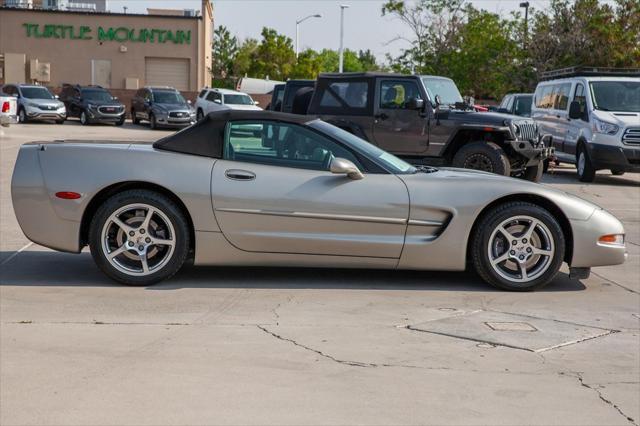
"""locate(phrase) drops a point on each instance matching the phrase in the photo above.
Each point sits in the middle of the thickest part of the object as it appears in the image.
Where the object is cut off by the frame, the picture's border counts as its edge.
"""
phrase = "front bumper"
(167, 121)
(534, 154)
(35, 113)
(587, 251)
(614, 157)
(99, 117)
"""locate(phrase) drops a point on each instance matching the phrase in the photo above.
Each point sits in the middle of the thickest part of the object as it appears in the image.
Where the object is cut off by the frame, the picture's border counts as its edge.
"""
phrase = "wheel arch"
(465, 136)
(538, 200)
(107, 192)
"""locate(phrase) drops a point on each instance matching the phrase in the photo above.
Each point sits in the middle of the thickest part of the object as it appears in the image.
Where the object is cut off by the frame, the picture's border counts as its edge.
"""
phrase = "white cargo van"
(593, 115)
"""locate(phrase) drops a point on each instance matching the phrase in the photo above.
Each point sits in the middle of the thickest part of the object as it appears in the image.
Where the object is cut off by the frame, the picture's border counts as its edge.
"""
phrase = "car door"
(543, 113)
(575, 125)
(272, 192)
(561, 114)
(399, 127)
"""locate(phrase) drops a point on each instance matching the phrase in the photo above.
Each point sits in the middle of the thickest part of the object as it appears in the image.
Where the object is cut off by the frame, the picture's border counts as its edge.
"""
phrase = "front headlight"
(600, 126)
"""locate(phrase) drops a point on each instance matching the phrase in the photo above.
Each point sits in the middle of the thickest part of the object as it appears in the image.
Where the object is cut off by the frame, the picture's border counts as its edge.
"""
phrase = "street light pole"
(525, 4)
(341, 61)
(298, 22)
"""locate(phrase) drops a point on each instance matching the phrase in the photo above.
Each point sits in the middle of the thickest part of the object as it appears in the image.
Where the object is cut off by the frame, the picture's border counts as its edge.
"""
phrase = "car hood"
(173, 107)
(622, 119)
(243, 107)
(104, 103)
(473, 117)
(470, 191)
(47, 102)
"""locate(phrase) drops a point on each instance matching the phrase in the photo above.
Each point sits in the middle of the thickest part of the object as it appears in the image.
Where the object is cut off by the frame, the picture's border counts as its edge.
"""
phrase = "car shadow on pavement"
(47, 268)
(569, 176)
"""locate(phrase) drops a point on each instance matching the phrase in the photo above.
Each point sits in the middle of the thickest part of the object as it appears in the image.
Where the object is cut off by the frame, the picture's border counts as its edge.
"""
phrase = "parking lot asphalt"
(292, 346)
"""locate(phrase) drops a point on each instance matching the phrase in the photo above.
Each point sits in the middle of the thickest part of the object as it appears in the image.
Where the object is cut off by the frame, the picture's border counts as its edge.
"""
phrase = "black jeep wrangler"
(424, 120)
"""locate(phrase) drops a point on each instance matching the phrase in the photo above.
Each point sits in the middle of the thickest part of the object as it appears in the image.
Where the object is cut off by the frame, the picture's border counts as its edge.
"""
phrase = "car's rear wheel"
(485, 156)
(199, 114)
(584, 167)
(533, 173)
(518, 246)
(152, 122)
(139, 237)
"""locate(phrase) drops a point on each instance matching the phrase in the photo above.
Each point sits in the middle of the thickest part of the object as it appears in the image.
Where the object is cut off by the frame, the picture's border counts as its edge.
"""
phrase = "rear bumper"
(5, 119)
(614, 157)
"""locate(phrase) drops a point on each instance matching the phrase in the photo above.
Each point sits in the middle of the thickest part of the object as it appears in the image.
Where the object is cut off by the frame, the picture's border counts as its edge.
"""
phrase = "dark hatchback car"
(92, 104)
(162, 107)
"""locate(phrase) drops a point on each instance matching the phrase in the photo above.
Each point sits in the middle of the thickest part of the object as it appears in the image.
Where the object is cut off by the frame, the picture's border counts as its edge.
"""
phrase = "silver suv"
(593, 116)
(36, 103)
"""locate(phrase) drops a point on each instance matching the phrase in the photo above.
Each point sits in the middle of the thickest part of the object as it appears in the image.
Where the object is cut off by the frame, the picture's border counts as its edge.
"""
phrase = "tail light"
(5, 106)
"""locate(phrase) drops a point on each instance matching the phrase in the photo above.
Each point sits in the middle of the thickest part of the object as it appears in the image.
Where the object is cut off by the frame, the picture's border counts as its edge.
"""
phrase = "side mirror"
(217, 101)
(189, 101)
(438, 100)
(416, 104)
(114, 98)
(56, 97)
(575, 111)
(342, 166)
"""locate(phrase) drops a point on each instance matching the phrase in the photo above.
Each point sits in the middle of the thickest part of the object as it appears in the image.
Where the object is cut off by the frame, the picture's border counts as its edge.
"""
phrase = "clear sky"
(365, 28)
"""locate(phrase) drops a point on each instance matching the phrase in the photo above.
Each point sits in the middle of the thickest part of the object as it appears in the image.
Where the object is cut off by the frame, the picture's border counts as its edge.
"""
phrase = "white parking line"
(8, 259)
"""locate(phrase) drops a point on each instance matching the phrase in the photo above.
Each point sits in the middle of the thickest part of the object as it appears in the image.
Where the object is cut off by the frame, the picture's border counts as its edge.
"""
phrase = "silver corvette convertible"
(264, 188)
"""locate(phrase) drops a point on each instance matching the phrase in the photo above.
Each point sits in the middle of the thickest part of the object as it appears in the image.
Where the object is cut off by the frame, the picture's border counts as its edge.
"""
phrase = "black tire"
(617, 172)
(22, 116)
(84, 120)
(158, 201)
(60, 121)
(199, 114)
(586, 172)
(485, 228)
(152, 122)
(533, 173)
(485, 156)
(120, 122)
(134, 118)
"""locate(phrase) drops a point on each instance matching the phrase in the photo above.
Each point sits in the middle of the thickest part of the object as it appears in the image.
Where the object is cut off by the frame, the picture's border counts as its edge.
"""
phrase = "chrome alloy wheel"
(582, 159)
(138, 239)
(521, 249)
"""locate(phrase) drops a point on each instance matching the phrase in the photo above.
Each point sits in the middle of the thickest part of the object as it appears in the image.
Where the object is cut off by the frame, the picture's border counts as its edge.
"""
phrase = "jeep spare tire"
(485, 156)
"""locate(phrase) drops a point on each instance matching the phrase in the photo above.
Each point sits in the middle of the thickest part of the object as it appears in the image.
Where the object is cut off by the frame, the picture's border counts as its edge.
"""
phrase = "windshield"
(36, 93)
(168, 97)
(96, 95)
(620, 96)
(389, 161)
(443, 87)
(238, 100)
(523, 106)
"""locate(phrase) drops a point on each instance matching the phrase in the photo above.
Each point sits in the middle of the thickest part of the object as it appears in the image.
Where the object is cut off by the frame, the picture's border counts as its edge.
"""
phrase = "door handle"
(236, 174)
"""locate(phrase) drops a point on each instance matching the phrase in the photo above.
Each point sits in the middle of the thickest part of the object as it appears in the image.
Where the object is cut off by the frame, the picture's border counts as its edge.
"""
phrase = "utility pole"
(341, 63)
(525, 4)
(298, 22)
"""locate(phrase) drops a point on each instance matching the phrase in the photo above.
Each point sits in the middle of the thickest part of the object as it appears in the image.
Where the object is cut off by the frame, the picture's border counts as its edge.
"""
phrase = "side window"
(147, 95)
(580, 97)
(202, 93)
(510, 103)
(396, 94)
(213, 96)
(561, 92)
(504, 102)
(347, 94)
(544, 99)
(281, 144)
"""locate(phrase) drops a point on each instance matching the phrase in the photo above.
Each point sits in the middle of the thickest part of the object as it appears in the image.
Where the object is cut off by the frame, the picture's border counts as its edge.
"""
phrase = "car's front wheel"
(84, 120)
(584, 166)
(22, 116)
(153, 124)
(485, 156)
(199, 114)
(518, 246)
(139, 237)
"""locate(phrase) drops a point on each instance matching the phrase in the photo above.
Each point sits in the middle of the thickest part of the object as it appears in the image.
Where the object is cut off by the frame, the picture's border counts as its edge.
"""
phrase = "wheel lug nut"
(528, 249)
(524, 241)
(521, 257)
(142, 231)
(130, 243)
(131, 233)
(512, 252)
(140, 248)
(514, 242)
(148, 240)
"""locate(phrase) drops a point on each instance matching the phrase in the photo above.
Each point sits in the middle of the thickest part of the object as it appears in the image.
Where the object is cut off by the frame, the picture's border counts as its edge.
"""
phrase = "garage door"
(167, 72)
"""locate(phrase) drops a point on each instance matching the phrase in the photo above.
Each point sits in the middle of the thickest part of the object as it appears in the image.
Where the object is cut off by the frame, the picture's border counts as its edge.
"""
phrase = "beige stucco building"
(114, 50)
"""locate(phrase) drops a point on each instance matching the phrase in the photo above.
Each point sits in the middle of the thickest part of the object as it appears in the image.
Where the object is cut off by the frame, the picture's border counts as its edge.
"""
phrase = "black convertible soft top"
(206, 137)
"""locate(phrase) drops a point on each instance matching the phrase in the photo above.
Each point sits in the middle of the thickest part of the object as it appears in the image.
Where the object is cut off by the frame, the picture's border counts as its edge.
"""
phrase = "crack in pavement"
(615, 283)
(341, 361)
(578, 376)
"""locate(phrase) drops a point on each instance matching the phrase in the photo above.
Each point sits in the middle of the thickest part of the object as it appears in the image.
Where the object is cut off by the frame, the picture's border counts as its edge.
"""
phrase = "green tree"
(274, 56)
(225, 48)
(244, 57)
